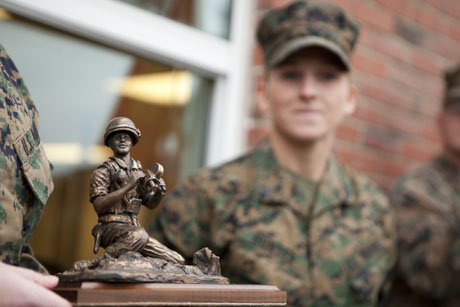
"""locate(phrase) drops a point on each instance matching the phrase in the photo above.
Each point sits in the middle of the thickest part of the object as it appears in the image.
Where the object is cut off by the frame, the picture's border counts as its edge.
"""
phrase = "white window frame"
(158, 38)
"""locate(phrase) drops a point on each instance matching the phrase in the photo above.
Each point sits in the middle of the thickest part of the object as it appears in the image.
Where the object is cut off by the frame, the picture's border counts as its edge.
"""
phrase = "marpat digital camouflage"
(25, 178)
(303, 24)
(427, 200)
(327, 244)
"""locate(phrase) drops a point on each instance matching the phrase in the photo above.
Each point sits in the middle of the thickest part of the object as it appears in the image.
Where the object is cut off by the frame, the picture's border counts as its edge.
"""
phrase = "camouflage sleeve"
(99, 183)
(379, 255)
(429, 248)
(28, 260)
(184, 219)
(390, 244)
(25, 175)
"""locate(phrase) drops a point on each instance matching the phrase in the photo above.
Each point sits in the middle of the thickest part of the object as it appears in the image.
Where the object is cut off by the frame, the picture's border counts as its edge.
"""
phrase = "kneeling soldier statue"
(118, 187)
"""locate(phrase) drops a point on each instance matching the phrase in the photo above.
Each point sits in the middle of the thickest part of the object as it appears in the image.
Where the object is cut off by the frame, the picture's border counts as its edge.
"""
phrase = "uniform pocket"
(34, 163)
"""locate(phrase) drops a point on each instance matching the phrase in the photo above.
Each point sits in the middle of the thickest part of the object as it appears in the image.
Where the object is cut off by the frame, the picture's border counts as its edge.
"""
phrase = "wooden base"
(160, 294)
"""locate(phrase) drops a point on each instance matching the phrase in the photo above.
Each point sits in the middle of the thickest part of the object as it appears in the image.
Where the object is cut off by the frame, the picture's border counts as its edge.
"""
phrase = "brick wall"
(402, 51)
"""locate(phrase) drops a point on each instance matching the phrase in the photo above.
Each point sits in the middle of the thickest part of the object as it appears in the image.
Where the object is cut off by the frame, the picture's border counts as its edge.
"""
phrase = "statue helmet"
(118, 124)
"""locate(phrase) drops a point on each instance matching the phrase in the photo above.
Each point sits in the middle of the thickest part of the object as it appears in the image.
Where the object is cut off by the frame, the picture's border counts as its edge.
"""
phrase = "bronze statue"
(118, 187)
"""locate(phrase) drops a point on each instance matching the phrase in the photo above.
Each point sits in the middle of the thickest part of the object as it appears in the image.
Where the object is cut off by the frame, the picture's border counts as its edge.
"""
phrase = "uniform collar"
(122, 164)
(336, 189)
(278, 186)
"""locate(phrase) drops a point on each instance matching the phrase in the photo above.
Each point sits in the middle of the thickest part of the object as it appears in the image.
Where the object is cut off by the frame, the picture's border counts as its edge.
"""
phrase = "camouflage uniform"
(428, 211)
(25, 178)
(328, 243)
(304, 24)
(428, 214)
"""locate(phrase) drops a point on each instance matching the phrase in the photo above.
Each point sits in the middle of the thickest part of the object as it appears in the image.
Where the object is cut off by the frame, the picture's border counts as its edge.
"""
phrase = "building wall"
(399, 60)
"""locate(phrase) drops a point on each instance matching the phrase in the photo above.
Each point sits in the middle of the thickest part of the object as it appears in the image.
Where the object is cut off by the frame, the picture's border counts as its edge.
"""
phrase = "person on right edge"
(427, 201)
(288, 213)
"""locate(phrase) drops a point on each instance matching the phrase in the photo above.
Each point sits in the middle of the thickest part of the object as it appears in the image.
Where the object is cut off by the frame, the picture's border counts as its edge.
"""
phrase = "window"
(78, 86)
(92, 60)
(211, 16)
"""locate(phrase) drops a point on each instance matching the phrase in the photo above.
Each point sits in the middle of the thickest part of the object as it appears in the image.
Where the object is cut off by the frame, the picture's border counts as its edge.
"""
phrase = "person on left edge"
(25, 185)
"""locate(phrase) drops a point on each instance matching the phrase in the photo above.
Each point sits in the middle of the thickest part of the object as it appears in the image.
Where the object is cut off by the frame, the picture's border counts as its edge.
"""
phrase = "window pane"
(211, 16)
(78, 86)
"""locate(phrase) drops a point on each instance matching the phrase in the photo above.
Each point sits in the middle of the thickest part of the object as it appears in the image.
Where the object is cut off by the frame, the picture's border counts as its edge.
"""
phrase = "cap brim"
(297, 44)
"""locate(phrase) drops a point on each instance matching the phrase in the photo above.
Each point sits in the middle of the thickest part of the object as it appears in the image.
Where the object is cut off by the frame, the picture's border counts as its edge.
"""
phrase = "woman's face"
(308, 95)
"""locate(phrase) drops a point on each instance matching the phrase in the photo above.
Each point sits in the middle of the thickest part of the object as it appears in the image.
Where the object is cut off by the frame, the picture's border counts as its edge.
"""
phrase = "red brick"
(394, 169)
(425, 62)
(424, 105)
(451, 7)
(431, 19)
(372, 16)
(380, 141)
(443, 46)
(435, 3)
(411, 79)
(386, 45)
(369, 64)
(404, 8)
(402, 51)
(343, 156)
(454, 9)
(381, 94)
(348, 132)
(369, 115)
(432, 134)
(454, 31)
(418, 152)
(395, 121)
(368, 162)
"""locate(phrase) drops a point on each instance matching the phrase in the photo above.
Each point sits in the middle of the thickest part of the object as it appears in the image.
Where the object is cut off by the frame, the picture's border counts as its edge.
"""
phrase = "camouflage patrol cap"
(284, 31)
(452, 91)
(118, 124)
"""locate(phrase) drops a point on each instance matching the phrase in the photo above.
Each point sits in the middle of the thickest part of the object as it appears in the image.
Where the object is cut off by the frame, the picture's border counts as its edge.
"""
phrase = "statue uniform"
(117, 238)
(428, 212)
(119, 230)
(328, 243)
(25, 174)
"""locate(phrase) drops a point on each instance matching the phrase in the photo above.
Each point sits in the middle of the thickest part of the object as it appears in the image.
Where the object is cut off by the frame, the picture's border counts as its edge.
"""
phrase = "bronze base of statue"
(132, 267)
(155, 294)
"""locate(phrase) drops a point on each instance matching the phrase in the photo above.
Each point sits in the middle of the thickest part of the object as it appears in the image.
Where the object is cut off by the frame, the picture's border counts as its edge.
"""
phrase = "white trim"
(151, 36)
(229, 114)
(132, 29)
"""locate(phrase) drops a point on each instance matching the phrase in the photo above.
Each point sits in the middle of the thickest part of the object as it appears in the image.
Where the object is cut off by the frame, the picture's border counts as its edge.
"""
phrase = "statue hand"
(136, 176)
(162, 186)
